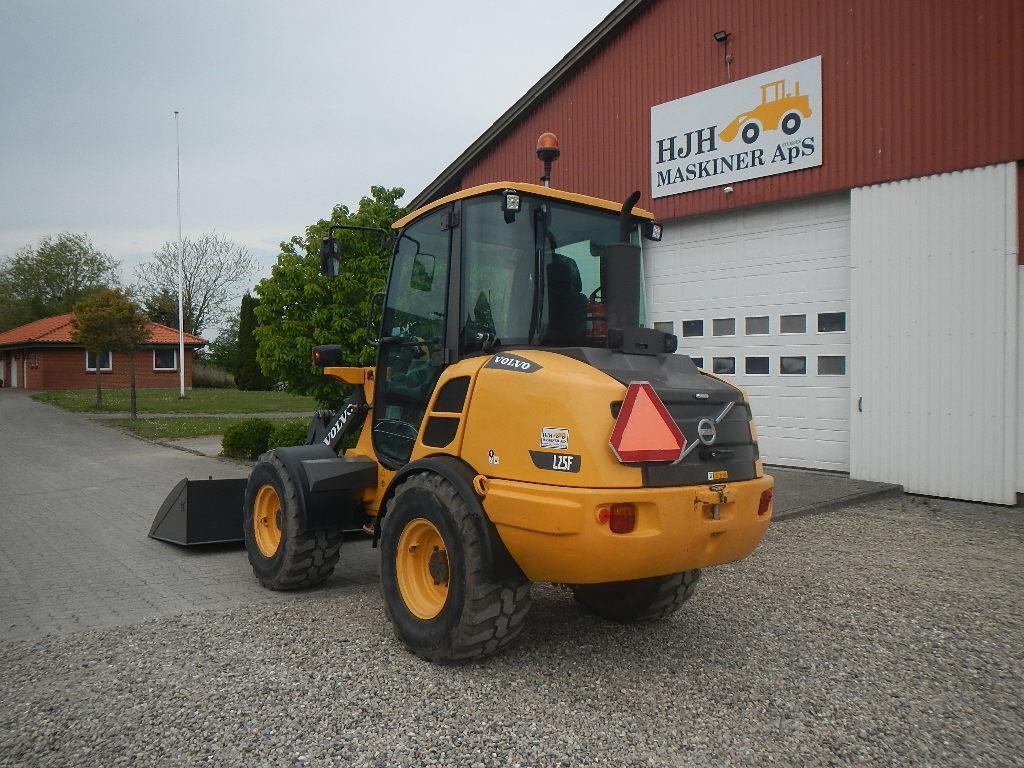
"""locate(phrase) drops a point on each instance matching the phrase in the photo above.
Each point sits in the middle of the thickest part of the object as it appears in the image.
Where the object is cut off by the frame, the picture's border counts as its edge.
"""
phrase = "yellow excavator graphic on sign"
(777, 109)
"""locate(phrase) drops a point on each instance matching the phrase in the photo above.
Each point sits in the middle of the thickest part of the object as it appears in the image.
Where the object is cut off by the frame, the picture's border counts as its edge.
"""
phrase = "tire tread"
(310, 556)
(494, 611)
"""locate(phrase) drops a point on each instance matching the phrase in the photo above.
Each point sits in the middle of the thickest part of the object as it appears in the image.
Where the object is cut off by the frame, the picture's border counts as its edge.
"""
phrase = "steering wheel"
(594, 294)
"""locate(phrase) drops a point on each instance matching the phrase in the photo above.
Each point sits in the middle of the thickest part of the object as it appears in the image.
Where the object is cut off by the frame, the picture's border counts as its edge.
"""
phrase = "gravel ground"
(886, 634)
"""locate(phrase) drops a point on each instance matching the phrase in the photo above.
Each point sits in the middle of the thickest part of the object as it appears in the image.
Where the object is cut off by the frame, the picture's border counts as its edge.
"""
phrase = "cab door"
(413, 333)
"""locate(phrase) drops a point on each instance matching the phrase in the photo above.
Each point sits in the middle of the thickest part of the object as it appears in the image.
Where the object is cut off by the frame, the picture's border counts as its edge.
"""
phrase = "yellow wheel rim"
(266, 520)
(421, 565)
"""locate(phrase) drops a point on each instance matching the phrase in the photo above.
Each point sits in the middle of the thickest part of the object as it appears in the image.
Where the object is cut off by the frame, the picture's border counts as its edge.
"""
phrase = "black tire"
(791, 123)
(750, 132)
(480, 615)
(303, 558)
(639, 600)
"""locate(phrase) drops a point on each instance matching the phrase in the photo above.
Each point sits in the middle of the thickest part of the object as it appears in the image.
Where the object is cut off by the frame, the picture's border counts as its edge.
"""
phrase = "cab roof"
(531, 189)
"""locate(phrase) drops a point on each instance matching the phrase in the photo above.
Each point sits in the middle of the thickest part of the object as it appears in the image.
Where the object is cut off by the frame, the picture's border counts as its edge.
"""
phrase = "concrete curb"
(831, 505)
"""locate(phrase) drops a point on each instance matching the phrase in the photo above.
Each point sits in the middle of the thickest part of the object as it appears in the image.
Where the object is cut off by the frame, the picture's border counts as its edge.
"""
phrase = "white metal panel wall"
(1020, 368)
(934, 384)
(791, 259)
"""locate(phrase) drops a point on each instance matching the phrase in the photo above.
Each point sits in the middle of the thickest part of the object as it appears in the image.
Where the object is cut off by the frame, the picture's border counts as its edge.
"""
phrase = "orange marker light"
(645, 430)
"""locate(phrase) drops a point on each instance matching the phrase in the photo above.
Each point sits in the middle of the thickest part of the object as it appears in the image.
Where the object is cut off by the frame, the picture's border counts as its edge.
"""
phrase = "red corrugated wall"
(910, 88)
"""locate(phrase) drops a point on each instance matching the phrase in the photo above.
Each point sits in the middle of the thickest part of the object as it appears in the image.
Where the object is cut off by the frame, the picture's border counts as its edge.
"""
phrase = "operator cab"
(499, 266)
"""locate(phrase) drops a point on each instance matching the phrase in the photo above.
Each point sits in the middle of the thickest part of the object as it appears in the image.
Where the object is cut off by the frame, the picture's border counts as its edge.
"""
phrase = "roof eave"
(619, 17)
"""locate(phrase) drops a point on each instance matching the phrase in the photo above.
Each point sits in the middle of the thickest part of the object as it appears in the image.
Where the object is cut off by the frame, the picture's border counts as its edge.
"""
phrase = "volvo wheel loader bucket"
(201, 512)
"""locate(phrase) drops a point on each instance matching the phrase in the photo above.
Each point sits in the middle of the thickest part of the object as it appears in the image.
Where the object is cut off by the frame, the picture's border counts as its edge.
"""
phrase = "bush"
(248, 439)
(288, 433)
(211, 377)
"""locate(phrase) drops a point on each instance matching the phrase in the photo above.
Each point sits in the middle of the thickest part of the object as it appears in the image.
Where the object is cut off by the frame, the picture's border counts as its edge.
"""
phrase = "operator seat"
(567, 306)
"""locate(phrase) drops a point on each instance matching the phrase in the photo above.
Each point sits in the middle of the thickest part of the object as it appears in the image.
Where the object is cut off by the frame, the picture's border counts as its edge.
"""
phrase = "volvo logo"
(706, 431)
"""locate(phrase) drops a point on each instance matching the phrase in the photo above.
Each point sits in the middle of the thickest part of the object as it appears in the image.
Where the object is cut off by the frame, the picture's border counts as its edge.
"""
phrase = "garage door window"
(698, 361)
(792, 366)
(666, 327)
(693, 327)
(724, 326)
(758, 326)
(793, 324)
(831, 322)
(756, 366)
(724, 364)
(831, 365)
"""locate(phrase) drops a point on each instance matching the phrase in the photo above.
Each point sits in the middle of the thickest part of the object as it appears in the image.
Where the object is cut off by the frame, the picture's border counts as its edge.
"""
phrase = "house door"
(14, 370)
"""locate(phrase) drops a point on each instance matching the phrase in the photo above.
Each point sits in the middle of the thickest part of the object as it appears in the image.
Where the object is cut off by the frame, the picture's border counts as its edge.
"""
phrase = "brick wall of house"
(64, 368)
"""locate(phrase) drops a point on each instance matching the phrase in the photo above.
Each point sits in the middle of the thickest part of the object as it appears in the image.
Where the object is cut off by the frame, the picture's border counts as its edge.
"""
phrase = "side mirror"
(330, 257)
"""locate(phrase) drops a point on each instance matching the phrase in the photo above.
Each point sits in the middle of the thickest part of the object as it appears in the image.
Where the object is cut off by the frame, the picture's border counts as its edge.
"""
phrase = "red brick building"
(41, 355)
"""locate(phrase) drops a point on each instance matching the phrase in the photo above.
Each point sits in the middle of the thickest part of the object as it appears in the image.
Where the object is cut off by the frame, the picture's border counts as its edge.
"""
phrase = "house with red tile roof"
(41, 355)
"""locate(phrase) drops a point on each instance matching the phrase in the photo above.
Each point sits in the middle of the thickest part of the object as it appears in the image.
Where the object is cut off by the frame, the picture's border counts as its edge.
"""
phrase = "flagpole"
(181, 273)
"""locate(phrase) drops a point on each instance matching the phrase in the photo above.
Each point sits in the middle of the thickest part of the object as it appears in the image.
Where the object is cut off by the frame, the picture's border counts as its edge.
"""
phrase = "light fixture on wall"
(722, 38)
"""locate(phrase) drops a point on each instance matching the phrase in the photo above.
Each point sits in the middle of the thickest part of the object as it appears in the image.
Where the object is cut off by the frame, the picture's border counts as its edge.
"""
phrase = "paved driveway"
(76, 503)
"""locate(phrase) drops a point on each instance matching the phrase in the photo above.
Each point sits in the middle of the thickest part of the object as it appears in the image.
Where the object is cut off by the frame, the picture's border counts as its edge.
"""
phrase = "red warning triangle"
(645, 430)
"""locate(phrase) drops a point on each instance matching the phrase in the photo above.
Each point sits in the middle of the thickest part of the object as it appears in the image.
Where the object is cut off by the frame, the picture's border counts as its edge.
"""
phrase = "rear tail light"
(621, 518)
(766, 502)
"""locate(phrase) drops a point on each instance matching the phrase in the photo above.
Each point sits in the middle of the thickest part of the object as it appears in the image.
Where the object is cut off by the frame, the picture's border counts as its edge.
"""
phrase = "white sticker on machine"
(554, 437)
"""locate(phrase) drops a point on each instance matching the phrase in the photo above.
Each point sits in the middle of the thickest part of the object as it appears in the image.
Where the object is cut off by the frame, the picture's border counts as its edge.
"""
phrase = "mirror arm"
(626, 224)
(385, 235)
(379, 230)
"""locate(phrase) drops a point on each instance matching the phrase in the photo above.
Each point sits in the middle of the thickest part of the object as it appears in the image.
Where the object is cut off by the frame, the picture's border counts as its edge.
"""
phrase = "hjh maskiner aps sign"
(759, 126)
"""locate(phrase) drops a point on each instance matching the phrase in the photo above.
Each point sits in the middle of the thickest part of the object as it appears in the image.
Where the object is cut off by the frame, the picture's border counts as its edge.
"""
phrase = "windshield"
(503, 302)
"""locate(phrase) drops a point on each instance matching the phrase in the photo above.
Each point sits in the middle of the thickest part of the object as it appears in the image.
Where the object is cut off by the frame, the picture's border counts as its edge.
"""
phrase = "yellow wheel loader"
(520, 424)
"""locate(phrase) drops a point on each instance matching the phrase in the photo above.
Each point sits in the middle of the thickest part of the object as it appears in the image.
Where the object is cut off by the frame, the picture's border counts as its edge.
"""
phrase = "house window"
(106, 361)
(165, 359)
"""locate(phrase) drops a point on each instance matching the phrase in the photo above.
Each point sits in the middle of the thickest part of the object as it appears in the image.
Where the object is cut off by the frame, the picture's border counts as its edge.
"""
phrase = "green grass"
(169, 429)
(166, 401)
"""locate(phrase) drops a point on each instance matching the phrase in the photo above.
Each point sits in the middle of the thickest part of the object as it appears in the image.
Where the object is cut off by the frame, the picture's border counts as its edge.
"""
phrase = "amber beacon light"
(547, 153)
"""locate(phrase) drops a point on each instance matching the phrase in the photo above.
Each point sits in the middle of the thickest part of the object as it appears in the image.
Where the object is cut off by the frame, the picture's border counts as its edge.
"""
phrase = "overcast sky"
(287, 108)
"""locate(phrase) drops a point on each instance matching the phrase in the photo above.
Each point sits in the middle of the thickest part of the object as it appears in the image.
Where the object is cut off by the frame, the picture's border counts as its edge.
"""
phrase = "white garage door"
(762, 296)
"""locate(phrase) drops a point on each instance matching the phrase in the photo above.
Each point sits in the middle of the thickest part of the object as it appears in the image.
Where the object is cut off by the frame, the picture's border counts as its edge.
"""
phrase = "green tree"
(223, 351)
(299, 308)
(249, 375)
(49, 278)
(162, 307)
(108, 320)
(214, 269)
